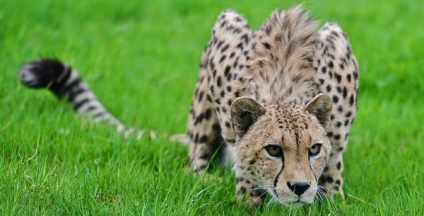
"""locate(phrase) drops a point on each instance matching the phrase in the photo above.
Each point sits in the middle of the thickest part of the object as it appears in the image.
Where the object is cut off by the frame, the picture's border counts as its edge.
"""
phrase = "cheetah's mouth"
(294, 203)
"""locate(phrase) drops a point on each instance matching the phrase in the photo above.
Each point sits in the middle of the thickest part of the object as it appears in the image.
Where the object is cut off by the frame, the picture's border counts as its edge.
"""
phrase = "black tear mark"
(278, 176)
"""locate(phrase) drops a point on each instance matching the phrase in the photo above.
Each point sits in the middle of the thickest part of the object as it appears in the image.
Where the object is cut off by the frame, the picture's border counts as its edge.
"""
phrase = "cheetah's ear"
(245, 112)
(320, 106)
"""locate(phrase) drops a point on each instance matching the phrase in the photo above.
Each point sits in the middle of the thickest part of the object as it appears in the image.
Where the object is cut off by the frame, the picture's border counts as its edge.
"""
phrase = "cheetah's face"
(281, 149)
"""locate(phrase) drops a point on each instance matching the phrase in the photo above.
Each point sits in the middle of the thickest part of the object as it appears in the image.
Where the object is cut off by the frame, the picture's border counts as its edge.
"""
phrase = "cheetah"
(278, 103)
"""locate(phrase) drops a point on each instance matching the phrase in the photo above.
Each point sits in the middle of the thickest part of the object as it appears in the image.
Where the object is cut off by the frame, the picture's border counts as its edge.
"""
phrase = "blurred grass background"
(141, 59)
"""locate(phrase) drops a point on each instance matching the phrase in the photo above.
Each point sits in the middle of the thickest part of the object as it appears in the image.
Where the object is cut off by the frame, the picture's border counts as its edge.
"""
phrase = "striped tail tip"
(42, 73)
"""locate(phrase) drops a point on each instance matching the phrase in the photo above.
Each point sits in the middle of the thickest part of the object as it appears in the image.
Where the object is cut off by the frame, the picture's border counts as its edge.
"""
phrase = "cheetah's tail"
(65, 82)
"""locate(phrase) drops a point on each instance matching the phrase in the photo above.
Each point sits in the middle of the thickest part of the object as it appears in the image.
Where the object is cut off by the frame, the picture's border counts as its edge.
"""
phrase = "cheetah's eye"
(314, 150)
(274, 150)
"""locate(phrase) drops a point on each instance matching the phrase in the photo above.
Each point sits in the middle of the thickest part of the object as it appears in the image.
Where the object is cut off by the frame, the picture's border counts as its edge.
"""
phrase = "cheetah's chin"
(295, 204)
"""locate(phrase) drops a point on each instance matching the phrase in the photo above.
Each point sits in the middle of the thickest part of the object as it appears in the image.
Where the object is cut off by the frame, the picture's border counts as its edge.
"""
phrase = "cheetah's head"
(282, 149)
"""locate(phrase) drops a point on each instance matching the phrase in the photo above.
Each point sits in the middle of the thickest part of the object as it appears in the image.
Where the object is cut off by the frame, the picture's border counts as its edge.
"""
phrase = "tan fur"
(287, 85)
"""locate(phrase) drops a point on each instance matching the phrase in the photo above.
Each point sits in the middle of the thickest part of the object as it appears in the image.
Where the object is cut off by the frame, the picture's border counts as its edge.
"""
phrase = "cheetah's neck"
(279, 69)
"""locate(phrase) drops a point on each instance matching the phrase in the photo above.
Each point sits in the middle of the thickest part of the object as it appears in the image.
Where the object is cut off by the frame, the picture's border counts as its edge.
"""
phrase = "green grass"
(141, 59)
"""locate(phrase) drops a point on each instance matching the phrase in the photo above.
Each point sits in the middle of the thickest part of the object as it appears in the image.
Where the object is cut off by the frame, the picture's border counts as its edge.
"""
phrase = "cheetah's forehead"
(288, 115)
(293, 126)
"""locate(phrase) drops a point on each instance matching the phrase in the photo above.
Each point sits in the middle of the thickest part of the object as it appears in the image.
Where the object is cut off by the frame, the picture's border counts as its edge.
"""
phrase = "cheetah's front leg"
(203, 125)
(332, 177)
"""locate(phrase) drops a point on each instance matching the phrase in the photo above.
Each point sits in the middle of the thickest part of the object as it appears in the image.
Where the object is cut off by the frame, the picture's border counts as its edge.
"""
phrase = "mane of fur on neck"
(281, 57)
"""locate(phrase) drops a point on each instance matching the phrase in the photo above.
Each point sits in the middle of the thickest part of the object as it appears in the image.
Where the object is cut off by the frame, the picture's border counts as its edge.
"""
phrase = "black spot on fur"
(337, 137)
(346, 123)
(227, 71)
(335, 99)
(200, 98)
(219, 81)
(338, 77)
(229, 102)
(216, 127)
(266, 45)
(208, 114)
(203, 139)
(344, 92)
(348, 77)
(351, 100)
(229, 88)
(224, 48)
(232, 55)
(243, 190)
(222, 58)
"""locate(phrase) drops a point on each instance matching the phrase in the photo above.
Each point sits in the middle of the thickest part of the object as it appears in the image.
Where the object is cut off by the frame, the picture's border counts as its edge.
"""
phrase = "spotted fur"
(286, 86)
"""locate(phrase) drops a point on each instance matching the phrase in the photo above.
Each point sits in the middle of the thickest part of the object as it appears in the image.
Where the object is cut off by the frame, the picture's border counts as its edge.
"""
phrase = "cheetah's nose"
(298, 187)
